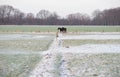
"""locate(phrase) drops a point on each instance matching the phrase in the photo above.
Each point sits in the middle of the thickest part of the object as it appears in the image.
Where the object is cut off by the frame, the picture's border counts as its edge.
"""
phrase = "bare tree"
(112, 16)
(53, 19)
(74, 18)
(107, 17)
(42, 17)
(5, 13)
(30, 18)
(18, 16)
(43, 14)
(97, 17)
(78, 19)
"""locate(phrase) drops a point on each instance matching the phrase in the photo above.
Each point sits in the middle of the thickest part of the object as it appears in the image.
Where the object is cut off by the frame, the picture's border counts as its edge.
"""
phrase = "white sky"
(62, 7)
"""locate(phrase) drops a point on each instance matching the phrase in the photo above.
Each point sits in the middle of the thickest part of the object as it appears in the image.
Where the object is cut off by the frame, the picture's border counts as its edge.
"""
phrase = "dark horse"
(64, 30)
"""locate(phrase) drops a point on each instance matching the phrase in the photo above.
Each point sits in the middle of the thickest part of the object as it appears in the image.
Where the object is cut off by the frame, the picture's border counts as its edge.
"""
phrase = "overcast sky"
(62, 7)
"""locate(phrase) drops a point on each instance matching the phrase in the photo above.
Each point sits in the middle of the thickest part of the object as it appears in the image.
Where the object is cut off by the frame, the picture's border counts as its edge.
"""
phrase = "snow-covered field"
(89, 60)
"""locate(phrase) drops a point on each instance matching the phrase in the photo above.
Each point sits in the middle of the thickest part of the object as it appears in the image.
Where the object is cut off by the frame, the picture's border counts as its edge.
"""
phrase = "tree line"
(12, 16)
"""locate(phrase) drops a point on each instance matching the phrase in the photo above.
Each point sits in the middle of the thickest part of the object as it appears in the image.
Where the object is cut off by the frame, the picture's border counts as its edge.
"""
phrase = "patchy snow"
(94, 37)
(20, 36)
(92, 48)
(45, 68)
